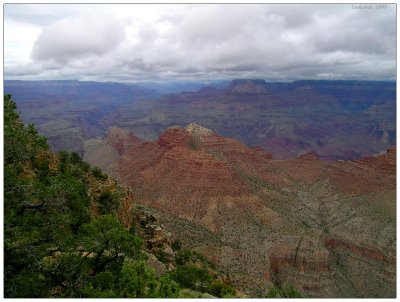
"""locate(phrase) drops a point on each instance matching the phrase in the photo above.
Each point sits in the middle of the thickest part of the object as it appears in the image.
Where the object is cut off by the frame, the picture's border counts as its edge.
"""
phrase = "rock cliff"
(327, 227)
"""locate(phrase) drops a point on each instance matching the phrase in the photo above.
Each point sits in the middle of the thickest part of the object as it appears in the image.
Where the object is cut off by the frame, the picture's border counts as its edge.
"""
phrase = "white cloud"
(75, 37)
(145, 42)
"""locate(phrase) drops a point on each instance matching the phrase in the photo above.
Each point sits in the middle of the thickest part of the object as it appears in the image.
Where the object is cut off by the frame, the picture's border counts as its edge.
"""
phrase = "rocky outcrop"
(301, 264)
(370, 271)
(185, 160)
(313, 266)
(199, 172)
(122, 199)
(197, 131)
(358, 250)
(104, 153)
(122, 139)
(306, 256)
(159, 267)
(157, 240)
(172, 137)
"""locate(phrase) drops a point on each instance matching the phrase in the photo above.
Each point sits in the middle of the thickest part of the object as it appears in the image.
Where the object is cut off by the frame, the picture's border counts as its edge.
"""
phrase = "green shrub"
(137, 280)
(188, 293)
(96, 172)
(85, 166)
(184, 256)
(107, 202)
(176, 245)
(284, 291)
(220, 289)
(192, 277)
(168, 288)
(104, 280)
(63, 164)
(76, 159)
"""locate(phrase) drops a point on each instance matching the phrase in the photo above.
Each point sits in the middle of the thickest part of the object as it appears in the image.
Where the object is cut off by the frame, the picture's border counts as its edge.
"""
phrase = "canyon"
(327, 227)
(274, 182)
(333, 119)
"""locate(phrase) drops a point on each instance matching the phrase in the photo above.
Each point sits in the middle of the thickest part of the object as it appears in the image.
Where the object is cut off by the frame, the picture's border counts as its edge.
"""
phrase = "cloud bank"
(209, 42)
(73, 38)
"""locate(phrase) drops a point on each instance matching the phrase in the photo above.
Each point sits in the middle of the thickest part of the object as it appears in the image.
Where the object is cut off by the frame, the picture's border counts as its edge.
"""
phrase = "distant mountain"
(334, 119)
(173, 86)
(327, 227)
(69, 112)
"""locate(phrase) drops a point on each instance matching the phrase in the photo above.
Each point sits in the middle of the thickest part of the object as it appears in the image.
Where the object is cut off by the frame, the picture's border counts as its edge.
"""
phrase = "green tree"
(76, 159)
(192, 277)
(28, 235)
(107, 202)
(168, 288)
(63, 164)
(109, 241)
(98, 174)
(137, 280)
(101, 286)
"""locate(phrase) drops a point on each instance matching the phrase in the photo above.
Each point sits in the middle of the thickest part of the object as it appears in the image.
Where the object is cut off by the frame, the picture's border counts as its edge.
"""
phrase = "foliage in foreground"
(53, 246)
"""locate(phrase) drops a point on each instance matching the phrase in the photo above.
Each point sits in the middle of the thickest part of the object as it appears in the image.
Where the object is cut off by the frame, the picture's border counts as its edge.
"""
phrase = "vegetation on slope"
(284, 291)
(61, 240)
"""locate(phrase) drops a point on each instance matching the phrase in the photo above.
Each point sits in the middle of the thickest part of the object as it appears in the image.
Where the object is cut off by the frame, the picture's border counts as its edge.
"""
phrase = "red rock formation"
(368, 174)
(306, 256)
(122, 139)
(187, 157)
(233, 150)
(361, 250)
(172, 137)
(242, 195)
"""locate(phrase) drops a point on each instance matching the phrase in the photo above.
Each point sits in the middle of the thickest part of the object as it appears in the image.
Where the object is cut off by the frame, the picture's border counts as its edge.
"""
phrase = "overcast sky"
(152, 42)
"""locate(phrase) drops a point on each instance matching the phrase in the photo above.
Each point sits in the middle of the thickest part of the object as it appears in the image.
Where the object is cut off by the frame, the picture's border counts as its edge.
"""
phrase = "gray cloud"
(78, 36)
(206, 42)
